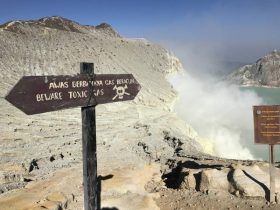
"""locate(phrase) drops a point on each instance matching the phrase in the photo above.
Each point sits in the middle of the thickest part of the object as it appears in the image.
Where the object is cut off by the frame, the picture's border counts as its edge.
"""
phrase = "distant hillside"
(265, 72)
(55, 22)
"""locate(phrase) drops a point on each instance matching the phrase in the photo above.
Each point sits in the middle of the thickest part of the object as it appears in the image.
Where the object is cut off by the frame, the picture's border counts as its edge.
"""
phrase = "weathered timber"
(89, 149)
(271, 173)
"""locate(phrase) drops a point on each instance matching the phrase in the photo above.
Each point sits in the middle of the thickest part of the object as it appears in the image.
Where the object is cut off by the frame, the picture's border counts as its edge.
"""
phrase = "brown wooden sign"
(38, 94)
(267, 124)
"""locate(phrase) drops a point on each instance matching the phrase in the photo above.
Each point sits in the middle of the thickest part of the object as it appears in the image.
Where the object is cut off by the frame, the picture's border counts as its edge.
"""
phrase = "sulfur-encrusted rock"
(188, 179)
(213, 179)
(247, 186)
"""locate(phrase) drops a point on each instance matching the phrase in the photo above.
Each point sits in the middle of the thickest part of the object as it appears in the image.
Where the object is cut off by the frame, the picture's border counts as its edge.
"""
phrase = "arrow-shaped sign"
(38, 94)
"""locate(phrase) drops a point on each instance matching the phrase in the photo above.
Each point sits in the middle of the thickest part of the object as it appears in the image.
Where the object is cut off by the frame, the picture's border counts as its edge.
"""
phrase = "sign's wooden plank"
(267, 124)
(38, 94)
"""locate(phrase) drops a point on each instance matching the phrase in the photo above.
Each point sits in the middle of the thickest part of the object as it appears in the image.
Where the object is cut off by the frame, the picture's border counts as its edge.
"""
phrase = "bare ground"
(171, 199)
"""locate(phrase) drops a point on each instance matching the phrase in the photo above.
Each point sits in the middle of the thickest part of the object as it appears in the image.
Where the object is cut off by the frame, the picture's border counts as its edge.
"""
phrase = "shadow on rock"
(175, 178)
(265, 188)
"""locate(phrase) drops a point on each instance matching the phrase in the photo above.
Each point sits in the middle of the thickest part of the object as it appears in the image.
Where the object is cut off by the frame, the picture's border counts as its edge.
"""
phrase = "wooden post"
(89, 149)
(272, 174)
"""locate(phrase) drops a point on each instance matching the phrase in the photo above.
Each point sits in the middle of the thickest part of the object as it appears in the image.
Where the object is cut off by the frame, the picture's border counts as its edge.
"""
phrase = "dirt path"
(192, 200)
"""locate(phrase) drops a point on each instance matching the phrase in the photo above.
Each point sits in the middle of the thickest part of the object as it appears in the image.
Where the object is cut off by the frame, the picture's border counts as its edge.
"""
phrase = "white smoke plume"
(220, 113)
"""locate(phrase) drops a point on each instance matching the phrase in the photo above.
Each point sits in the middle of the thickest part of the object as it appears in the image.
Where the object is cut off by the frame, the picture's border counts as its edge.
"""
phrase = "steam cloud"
(220, 113)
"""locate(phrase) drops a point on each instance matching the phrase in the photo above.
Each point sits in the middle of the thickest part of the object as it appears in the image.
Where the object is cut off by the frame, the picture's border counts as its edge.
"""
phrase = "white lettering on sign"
(97, 83)
(109, 82)
(83, 83)
(125, 81)
(119, 85)
(54, 85)
(77, 84)
(49, 96)
(98, 92)
(84, 94)
(77, 94)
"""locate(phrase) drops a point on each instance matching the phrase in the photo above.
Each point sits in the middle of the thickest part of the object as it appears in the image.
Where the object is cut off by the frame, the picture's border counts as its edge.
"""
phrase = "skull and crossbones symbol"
(120, 92)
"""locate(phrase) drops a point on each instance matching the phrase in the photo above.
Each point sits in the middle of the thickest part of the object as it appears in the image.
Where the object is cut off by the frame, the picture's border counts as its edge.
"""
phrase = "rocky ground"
(191, 199)
(211, 183)
(193, 182)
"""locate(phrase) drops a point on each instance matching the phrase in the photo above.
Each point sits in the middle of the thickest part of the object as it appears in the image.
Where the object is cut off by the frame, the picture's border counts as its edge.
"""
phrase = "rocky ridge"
(55, 22)
(265, 72)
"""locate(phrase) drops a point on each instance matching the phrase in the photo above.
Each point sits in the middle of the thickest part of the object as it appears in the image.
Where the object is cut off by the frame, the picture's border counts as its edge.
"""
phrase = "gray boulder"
(213, 180)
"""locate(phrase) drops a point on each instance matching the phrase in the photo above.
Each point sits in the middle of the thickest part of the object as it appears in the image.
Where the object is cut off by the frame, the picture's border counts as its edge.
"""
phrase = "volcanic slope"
(136, 137)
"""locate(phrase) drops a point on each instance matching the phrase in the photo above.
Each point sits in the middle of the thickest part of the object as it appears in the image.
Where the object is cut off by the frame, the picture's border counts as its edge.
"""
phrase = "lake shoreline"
(259, 86)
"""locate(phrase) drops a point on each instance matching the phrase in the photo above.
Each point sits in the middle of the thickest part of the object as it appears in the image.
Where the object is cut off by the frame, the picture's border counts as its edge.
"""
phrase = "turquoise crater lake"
(271, 96)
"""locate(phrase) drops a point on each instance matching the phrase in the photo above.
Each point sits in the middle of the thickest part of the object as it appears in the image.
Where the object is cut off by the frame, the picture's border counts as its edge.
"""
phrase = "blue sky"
(231, 30)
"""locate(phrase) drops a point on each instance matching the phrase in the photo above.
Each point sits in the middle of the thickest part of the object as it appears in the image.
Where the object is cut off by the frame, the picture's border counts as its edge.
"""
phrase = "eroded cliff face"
(130, 135)
(265, 72)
